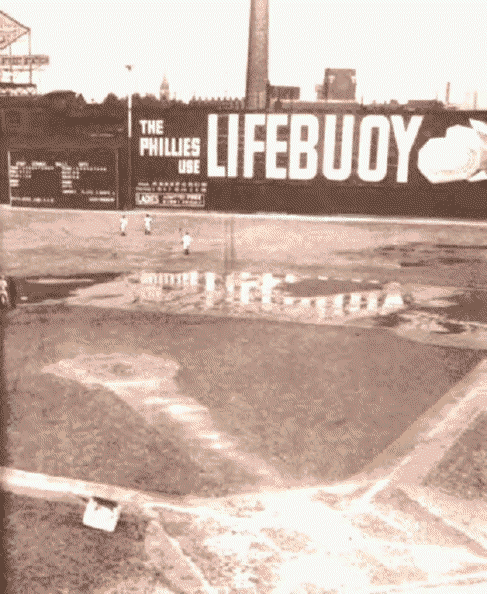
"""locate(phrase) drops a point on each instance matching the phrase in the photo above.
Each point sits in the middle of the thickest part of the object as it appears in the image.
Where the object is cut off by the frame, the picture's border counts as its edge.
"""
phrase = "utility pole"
(129, 138)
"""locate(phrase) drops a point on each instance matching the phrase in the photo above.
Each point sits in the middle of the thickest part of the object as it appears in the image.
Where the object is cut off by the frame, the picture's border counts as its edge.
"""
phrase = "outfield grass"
(47, 242)
(318, 403)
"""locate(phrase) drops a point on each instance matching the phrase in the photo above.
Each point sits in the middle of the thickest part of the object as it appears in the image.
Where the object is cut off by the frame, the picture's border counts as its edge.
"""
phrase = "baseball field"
(315, 403)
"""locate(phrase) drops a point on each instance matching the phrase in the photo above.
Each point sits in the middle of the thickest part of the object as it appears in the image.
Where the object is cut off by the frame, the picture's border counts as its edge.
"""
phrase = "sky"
(400, 50)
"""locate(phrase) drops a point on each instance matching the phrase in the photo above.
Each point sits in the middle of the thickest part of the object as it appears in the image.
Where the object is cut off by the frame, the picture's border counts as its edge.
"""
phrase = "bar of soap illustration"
(460, 156)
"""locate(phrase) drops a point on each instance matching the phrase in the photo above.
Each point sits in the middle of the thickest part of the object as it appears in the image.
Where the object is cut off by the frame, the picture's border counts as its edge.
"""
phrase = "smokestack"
(475, 99)
(447, 96)
(258, 56)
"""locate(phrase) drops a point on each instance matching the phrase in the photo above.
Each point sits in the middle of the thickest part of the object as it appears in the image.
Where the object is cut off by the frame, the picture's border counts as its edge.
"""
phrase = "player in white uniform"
(4, 297)
(147, 223)
(8, 292)
(123, 225)
(186, 243)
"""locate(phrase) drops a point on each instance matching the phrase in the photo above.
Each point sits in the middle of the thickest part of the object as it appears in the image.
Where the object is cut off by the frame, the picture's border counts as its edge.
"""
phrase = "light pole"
(129, 138)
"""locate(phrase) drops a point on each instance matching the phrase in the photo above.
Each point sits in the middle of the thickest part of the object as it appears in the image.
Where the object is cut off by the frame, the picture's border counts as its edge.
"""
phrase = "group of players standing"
(185, 240)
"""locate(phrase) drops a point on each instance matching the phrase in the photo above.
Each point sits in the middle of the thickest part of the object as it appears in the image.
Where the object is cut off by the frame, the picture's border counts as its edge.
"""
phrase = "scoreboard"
(63, 178)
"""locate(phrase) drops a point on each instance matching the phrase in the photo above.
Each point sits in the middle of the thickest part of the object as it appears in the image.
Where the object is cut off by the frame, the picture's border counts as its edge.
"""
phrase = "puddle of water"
(110, 296)
(392, 320)
(461, 247)
(39, 289)
(452, 328)
(411, 264)
(318, 288)
(56, 281)
(451, 261)
(467, 307)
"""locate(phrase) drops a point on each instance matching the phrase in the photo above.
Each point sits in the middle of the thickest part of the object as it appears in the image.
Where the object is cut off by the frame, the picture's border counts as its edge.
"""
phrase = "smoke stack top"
(258, 56)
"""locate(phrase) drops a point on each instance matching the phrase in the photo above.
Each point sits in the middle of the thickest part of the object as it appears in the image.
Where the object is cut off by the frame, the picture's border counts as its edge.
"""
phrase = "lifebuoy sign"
(177, 154)
(309, 146)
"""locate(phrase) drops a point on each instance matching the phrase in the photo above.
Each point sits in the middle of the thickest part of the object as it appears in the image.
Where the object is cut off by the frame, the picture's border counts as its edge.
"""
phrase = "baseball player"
(147, 224)
(123, 225)
(186, 243)
(8, 292)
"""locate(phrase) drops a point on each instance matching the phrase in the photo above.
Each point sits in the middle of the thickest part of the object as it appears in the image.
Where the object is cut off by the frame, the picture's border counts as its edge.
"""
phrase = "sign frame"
(18, 30)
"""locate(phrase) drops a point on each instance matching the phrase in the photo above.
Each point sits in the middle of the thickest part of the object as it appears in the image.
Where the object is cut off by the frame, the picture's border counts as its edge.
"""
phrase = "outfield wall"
(361, 161)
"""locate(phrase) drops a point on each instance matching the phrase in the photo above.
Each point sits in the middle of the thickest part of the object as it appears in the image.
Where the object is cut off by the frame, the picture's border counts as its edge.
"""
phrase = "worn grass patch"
(318, 403)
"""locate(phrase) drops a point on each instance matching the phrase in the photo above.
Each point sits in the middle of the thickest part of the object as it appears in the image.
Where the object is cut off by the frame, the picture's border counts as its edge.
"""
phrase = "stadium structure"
(268, 152)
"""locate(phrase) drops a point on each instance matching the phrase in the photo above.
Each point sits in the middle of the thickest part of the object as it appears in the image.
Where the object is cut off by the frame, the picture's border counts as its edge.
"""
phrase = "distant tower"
(258, 56)
(164, 90)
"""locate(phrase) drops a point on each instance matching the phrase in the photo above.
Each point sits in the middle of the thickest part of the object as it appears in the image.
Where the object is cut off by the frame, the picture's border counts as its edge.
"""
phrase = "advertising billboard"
(23, 62)
(63, 178)
(221, 161)
(169, 159)
(10, 30)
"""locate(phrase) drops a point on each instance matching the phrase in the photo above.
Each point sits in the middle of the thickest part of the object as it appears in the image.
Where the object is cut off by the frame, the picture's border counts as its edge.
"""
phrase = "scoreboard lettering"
(66, 179)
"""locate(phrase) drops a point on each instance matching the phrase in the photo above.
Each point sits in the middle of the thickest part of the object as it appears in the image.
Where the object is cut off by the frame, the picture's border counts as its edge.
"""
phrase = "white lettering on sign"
(191, 166)
(195, 146)
(214, 170)
(405, 139)
(152, 127)
(252, 146)
(161, 146)
(274, 146)
(157, 145)
(232, 145)
(329, 148)
(365, 172)
(369, 137)
(298, 147)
